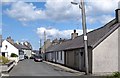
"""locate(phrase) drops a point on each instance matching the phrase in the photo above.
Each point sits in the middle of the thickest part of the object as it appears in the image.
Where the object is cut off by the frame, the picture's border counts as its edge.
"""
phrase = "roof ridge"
(106, 35)
(112, 22)
(94, 36)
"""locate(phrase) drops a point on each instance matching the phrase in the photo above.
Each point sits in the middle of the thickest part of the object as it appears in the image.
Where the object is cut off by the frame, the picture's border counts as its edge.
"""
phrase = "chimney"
(17, 42)
(22, 43)
(25, 43)
(10, 39)
(55, 41)
(118, 12)
(74, 35)
(60, 40)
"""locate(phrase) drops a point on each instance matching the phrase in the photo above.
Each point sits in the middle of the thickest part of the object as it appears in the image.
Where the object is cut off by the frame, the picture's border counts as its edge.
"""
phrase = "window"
(57, 55)
(81, 53)
(21, 53)
(6, 47)
(3, 54)
(61, 55)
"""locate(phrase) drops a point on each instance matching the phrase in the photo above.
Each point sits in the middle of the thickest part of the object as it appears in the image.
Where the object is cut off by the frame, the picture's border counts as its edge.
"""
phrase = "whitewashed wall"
(59, 60)
(49, 56)
(105, 55)
(28, 53)
(54, 56)
(10, 48)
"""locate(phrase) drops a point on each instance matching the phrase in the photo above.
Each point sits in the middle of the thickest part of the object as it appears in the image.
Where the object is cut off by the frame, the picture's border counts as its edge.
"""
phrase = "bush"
(4, 60)
(115, 75)
(13, 55)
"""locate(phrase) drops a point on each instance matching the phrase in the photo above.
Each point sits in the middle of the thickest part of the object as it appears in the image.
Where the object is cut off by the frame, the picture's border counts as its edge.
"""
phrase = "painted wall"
(54, 56)
(10, 48)
(21, 55)
(70, 57)
(119, 49)
(49, 56)
(60, 58)
(105, 55)
(28, 53)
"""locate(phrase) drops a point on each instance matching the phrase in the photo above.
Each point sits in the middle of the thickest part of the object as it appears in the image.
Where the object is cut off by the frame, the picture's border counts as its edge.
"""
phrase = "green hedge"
(13, 55)
(115, 75)
(4, 60)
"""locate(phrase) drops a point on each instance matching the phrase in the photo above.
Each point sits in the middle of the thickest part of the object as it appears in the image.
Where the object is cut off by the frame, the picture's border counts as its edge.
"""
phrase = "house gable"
(119, 49)
(105, 55)
(8, 47)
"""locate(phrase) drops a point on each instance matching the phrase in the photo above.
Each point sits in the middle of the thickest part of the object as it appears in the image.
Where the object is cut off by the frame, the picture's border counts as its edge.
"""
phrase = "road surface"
(30, 68)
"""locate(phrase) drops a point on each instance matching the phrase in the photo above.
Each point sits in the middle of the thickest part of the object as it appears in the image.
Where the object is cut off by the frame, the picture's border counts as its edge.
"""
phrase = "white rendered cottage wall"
(10, 48)
(28, 53)
(119, 49)
(49, 56)
(105, 55)
(60, 58)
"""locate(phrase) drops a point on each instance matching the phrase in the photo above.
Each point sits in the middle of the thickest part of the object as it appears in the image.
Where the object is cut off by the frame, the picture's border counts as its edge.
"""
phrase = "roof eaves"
(12, 44)
(104, 37)
(112, 22)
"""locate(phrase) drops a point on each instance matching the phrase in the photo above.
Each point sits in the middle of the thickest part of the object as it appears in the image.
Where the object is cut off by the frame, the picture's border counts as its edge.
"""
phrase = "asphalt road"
(30, 68)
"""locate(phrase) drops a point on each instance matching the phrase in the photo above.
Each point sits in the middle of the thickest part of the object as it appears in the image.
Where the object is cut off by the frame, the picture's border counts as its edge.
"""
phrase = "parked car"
(38, 59)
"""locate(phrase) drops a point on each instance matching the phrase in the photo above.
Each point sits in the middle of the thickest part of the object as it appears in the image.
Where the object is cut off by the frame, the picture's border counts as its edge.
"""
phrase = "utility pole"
(44, 41)
(82, 7)
(44, 45)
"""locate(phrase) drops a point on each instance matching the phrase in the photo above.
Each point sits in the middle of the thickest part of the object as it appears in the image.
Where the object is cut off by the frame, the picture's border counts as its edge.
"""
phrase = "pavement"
(78, 73)
(64, 68)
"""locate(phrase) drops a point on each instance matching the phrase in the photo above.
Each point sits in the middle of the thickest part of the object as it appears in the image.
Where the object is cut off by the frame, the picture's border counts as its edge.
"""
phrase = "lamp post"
(82, 7)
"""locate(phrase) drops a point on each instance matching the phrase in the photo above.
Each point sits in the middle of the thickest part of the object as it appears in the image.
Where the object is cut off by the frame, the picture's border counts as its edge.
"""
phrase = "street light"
(82, 7)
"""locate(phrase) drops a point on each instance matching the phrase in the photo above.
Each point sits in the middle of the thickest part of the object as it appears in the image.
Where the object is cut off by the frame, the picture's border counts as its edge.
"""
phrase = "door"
(81, 61)
(3, 54)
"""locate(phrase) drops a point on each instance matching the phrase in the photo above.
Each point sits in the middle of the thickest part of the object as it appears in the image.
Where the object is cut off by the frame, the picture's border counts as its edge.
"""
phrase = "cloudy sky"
(58, 18)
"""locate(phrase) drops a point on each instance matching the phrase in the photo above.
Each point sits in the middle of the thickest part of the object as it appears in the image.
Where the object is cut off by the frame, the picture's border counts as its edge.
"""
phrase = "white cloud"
(103, 6)
(103, 19)
(24, 39)
(25, 12)
(55, 10)
(62, 10)
(106, 18)
(23, 0)
(53, 33)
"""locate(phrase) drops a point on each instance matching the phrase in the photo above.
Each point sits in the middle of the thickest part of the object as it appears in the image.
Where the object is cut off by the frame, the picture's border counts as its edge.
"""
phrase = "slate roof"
(94, 38)
(18, 46)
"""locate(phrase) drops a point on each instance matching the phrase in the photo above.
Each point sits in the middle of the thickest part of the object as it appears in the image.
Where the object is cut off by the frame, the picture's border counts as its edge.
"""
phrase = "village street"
(30, 68)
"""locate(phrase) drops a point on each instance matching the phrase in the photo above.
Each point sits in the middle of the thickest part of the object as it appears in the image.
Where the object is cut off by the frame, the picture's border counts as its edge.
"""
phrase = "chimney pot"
(74, 35)
(74, 31)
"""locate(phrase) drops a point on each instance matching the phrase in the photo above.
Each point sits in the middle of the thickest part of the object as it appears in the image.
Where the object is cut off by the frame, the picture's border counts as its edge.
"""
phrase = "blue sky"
(28, 20)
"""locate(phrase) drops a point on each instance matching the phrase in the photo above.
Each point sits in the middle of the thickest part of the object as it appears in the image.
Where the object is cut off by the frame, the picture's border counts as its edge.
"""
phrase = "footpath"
(64, 68)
